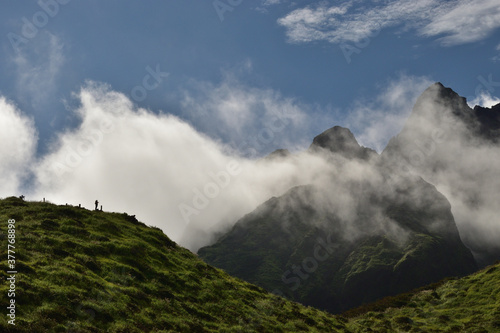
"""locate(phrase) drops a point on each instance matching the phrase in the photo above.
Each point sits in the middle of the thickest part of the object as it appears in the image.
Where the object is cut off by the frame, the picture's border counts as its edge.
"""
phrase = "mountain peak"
(340, 140)
(336, 139)
(481, 121)
(277, 154)
(437, 92)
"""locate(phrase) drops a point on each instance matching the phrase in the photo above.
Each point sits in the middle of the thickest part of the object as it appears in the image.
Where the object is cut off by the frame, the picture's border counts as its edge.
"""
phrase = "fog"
(154, 166)
(440, 143)
(161, 169)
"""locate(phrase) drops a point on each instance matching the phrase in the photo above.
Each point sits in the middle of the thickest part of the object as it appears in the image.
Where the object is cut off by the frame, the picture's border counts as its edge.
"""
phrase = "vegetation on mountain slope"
(91, 271)
(88, 271)
(468, 304)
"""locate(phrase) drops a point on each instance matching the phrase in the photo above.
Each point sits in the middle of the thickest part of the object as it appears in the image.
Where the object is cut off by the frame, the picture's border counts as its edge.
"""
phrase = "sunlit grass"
(469, 304)
(86, 271)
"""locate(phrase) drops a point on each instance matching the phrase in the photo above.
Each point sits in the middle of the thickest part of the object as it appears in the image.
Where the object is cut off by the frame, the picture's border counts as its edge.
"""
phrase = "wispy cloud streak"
(452, 22)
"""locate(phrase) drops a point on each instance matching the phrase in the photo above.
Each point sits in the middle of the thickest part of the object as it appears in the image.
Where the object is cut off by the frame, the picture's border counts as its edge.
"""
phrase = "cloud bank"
(155, 166)
(160, 168)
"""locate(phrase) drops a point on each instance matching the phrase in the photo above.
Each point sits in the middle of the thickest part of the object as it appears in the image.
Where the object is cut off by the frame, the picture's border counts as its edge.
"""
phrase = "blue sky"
(326, 56)
(140, 103)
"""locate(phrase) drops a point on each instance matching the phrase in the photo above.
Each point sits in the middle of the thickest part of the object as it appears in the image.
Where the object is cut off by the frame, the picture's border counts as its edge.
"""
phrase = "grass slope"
(469, 304)
(86, 271)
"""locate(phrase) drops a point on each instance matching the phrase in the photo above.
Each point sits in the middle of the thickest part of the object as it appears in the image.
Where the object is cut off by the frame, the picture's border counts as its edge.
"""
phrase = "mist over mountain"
(163, 168)
(334, 225)
(388, 226)
(250, 166)
(341, 141)
(457, 149)
(356, 234)
(296, 245)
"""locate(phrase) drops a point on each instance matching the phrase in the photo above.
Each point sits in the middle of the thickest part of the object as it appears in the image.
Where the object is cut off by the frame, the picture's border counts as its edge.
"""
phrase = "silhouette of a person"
(96, 204)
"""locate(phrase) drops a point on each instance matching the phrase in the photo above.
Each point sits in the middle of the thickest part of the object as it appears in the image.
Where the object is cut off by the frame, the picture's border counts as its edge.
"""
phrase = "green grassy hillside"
(469, 304)
(86, 271)
(89, 271)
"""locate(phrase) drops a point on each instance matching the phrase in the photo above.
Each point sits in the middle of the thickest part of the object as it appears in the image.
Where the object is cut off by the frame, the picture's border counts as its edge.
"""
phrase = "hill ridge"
(93, 271)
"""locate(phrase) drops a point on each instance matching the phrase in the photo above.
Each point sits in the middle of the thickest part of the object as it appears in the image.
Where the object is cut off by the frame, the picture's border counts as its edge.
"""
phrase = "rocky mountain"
(349, 239)
(341, 141)
(456, 148)
(489, 120)
(290, 246)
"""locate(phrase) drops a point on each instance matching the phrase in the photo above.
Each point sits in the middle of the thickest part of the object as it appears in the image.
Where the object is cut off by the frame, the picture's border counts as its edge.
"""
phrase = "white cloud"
(18, 139)
(468, 21)
(251, 119)
(147, 164)
(312, 24)
(460, 22)
(161, 169)
(484, 99)
(271, 2)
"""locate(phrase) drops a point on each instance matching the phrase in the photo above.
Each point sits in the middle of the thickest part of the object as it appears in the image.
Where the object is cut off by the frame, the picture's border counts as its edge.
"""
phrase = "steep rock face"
(457, 149)
(489, 119)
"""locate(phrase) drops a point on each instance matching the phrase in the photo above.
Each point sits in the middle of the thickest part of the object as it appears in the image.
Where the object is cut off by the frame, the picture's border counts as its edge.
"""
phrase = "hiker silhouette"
(96, 204)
